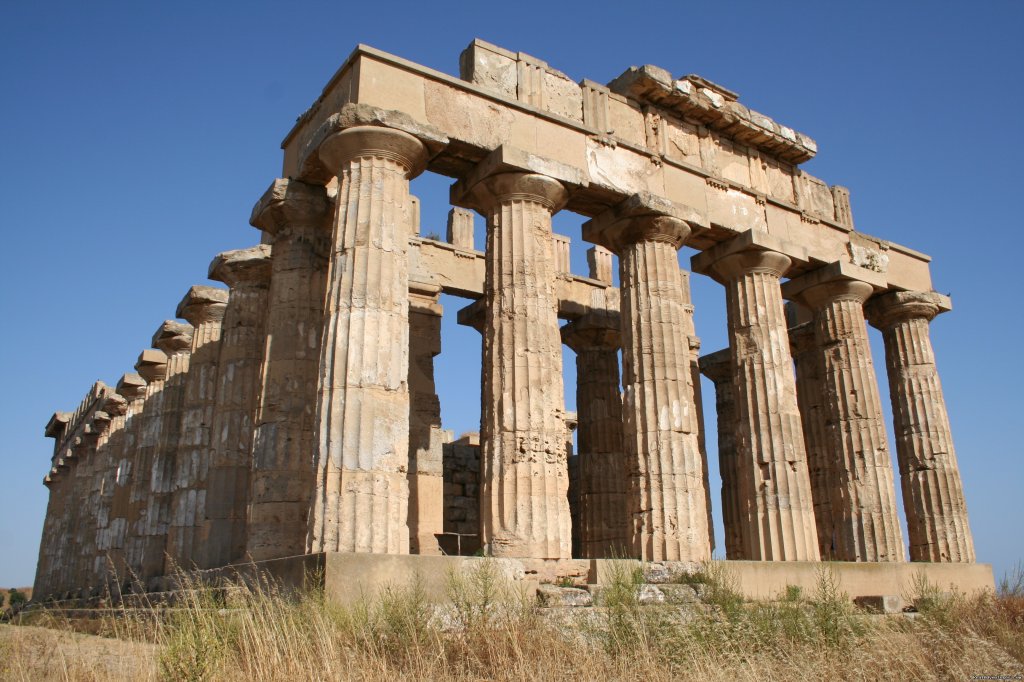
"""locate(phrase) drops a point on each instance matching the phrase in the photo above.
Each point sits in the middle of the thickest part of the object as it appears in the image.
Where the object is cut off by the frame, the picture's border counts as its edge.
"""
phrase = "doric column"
(524, 470)
(152, 367)
(243, 332)
(773, 486)
(82, 522)
(807, 360)
(203, 307)
(690, 329)
(666, 494)
(717, 366)
(160, 440)
(362, 491)
(863, 497)
(426, 441)
(56, 428)
(604, 520)
(132, 387)
(297, 215)
(108, 453)
(933, 496)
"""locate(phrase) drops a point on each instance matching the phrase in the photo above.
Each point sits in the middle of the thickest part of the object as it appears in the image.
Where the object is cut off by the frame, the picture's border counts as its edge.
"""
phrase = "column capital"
(173, 337)
(291, 202)
(888, 309)
(836, 281)
(242, 267)
(203, 304)
(597, 330)
(717, 366)
(640, 218)
(509, 173)
(151, 365)
(373, 142)
(132, 386)
(750, 251)
(115, 405)
(473, 315)
(323, 155)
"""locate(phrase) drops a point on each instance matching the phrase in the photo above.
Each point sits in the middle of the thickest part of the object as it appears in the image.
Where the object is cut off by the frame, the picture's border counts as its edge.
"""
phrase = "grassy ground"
(491, 632)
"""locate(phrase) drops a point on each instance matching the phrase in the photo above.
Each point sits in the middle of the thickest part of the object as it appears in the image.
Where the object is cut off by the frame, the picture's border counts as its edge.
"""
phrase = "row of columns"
(288, 396)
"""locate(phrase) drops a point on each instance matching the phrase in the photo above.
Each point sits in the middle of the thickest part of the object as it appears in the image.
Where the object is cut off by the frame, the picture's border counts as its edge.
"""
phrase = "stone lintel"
(699, 99)
(886, 308)
(716, 366)
(751, 240)
(242, 266)
(507, 159)
(835, 271)
(288, 202)
(617, 226)
(57, 424)
(131, 385)
(315, 169)
(202, 304)
(173, 336)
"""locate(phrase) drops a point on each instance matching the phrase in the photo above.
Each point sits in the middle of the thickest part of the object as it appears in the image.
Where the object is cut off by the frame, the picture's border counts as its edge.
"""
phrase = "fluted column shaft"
(718, 367)
(203, 307)
(127, 470)
(666, 488)
(774, 488)
(247, 272)
(283, 475)
(362, 490)
(604, 518)
(933, 496)
(808, 363)
(426, 475)
(524, 480)
(863, 497)
(152, 366)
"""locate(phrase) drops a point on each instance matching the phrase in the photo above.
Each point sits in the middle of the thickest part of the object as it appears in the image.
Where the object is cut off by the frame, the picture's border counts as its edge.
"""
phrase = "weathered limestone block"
(599, 264)
(243, 333)
(666, 494)
(604, 517)
(362, 490)
(933, 496)
(203, 307)
(808, 361)
(460, 228)
(561, 245)
(524, 475)
(297, 216)
(426, 438)
(462, 489)
(717, 366)
(152, 367)
(863, 497)
(773, 485)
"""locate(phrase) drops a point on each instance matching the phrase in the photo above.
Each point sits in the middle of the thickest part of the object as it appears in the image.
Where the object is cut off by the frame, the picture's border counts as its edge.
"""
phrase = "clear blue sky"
(138, 135)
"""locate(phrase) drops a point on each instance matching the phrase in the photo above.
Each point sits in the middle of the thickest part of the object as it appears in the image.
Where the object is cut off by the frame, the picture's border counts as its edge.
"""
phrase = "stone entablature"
(297, 412)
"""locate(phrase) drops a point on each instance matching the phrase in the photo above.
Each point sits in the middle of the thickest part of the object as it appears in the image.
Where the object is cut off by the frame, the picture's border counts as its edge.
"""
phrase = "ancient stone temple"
(293, 411)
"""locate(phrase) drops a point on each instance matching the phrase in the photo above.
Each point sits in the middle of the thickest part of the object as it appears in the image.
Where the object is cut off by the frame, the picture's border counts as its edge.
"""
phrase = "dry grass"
(490, 632)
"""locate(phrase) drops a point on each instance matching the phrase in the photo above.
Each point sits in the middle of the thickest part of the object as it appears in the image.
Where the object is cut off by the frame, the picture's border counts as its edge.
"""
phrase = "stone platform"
(348, 576)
